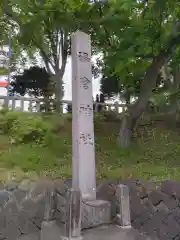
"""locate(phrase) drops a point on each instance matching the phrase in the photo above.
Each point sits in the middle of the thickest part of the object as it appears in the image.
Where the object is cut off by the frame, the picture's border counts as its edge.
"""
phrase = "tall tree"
(45, 27)
(140, 40)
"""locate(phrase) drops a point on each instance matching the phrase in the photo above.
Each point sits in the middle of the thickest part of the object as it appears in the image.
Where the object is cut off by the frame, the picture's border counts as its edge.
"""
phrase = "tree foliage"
(136, 39)
(34, 81)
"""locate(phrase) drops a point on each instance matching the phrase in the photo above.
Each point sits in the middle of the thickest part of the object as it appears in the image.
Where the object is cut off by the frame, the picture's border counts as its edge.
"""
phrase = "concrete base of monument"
(95, 213)
(112, 232)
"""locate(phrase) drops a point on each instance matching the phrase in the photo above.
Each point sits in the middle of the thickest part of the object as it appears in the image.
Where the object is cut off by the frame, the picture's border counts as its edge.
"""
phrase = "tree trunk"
(58, 91)
(135, 111)
(174, 99)
(46, 102)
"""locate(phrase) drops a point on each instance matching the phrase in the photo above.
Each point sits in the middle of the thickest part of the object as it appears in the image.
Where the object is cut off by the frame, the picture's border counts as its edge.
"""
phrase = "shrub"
(99, 117)
(29, 128)
(24, 127)
(7, 120)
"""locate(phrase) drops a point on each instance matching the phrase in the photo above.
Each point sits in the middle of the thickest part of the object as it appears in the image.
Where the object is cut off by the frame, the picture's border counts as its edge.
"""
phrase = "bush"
(106, 116)
(7, 119)
(24, 127)
(99, 117)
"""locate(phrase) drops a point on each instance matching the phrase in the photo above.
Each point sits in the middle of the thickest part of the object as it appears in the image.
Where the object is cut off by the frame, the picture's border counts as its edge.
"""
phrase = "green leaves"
(134, 35)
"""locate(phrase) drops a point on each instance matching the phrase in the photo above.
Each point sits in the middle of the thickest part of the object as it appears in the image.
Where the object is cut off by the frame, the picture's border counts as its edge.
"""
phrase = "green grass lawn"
(154, 155)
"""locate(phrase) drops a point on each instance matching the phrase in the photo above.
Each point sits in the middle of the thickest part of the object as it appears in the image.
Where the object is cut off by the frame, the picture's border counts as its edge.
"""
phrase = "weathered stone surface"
(95, 213)
(39, 189)
(11, 231)
(60, 187)
(122, 196)
(68, 182)
(50, 231)
(171, 188)
(4, 196)
(154, 211)
(24, 185)
(20, 195)
(114, 233)
(31, 236)
(11, 186)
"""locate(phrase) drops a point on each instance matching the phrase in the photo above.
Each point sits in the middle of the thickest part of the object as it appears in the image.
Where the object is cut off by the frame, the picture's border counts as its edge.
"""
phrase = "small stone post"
(73, 215)
(83, 150)
(122, 194)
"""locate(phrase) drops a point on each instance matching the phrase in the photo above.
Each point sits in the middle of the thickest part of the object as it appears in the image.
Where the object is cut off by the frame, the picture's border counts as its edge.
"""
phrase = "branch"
(47, 66)
(64, 50)
(15, 18)
(52, 42)
(43, 53)
(108, 37)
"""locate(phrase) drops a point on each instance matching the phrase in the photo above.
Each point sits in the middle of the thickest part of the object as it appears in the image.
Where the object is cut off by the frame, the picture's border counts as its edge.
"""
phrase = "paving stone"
(10, 210)
(157, 196)
(155, 222)
(25, 184)
(37, 221)
(162, 233)
(2, 237)
(11, 186)
(68, 182)
(30, 206)
(162, 207)
(4, 196)
(172, 226)
(60, 216)
(171, 203)
(60, 187)
(40, 188)
(176, 214)
(171, 188)
(19, 195)
(11, 232)
(32, 236)
(24, 223)
(107, 191)
(136, 207)
(149, 206)
(40, 208)
(141, 189)
(60, 201)
(141, 219)
(177, 237)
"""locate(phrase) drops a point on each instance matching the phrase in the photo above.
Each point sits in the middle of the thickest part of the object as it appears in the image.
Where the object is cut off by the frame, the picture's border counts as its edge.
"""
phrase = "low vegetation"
(33, 146)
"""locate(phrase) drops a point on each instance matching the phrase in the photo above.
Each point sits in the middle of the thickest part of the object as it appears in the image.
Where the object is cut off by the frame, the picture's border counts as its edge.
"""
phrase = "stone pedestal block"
(95, 213)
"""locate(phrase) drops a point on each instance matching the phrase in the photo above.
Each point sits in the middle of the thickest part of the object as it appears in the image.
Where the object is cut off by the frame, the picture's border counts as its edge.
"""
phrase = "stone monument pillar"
(83, 152)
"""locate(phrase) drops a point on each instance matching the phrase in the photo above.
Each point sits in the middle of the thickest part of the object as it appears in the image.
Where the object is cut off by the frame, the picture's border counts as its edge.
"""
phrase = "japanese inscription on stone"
(83, 57)
(84, 82)
(85, 109)
(86, 138)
